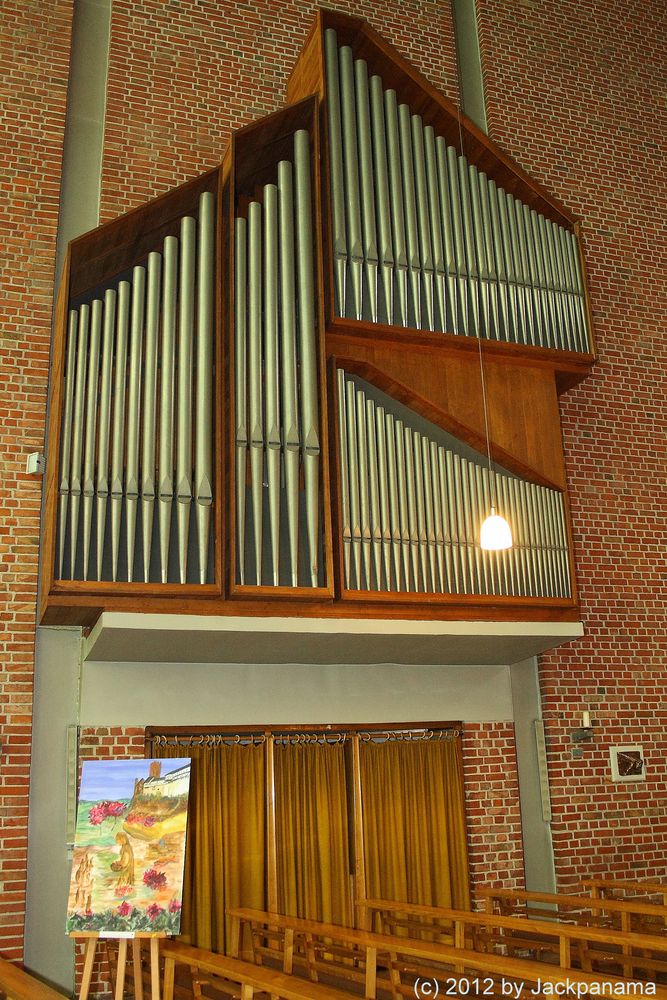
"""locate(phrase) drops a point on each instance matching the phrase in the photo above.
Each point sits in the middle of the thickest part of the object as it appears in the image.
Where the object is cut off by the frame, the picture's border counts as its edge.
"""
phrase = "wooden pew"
(252, 979)
(626, 915)
(607, 888)
(325, 946)
(309, 940)
(561, 943)
(15, 984)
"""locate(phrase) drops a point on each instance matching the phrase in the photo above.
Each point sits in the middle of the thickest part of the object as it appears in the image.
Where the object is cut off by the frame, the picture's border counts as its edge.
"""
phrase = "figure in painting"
(84, 882)
(124, 866)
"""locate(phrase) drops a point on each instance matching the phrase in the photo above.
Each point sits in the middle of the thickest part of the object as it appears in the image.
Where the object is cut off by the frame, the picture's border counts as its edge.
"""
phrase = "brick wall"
(495, 849)
(34, 54)
(182, 76)
(576, 92)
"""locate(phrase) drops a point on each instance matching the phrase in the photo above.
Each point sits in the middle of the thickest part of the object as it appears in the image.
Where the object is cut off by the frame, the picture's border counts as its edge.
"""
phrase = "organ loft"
(298, 384)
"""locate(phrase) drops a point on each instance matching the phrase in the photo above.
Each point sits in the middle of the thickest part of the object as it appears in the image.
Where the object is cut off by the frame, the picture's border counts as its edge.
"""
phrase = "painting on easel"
(129, 849)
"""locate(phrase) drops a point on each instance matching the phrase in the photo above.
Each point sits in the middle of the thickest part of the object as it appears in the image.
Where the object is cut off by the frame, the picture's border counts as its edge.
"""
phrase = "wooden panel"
(444, 386)
(85, 609)
(116, 246)
(18, 985)
(308, 73)
(258, 147)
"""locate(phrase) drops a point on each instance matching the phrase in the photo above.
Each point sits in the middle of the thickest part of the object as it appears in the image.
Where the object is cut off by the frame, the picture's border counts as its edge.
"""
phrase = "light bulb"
(495, 533)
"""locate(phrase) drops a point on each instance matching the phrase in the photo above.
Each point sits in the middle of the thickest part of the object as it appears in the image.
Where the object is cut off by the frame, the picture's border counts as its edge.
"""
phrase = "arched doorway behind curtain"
(312, 831)
(226, 841)
(414, 822)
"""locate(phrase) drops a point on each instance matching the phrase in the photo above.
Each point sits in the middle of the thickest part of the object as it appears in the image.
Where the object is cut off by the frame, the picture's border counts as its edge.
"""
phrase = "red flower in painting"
(97, 815)
(149, 820)
(155, 880)
(104, 810)
(154, 911)
(124, 910)
(174, 906)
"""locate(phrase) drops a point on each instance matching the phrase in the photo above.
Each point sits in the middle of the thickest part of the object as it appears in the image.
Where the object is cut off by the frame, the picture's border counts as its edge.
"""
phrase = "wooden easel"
(92, 937)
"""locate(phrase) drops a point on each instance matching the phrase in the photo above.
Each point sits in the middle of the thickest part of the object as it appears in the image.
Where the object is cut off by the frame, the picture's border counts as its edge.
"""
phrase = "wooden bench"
(626, 915)
(561, 943)
(607, 888)
(251, 978)
(324, 946)
(398, 957)
(16, 984)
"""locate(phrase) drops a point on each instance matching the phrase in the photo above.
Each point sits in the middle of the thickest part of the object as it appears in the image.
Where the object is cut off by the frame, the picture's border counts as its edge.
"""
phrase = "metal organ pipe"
(270, 296)
(167, 400)
(455, 252)
(149, 405)
(77, 432)
(288, 359)
(255, 395)
(307, 347)
(66, 437)
(102, 483)
(138, 385)
(118, 426)
(277, 378)
(204, 380)
(412, 510)
(92, 388)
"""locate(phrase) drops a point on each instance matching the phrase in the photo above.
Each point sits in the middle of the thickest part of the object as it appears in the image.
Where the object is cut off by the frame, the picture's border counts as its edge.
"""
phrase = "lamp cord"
(459, 79)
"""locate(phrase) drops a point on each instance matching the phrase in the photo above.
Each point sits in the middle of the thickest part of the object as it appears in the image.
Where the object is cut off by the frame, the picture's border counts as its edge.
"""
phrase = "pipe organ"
(422, 238)
(411, 510)
(276, 381)
(137, 418)
(266, 385)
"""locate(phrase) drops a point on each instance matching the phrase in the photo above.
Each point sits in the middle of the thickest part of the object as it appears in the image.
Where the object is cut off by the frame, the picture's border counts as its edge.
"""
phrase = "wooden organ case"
(267, 392)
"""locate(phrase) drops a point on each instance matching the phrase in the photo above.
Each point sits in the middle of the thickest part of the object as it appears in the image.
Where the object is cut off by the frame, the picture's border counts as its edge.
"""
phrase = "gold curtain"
(225, 853)
(414, 822)
(312, 832)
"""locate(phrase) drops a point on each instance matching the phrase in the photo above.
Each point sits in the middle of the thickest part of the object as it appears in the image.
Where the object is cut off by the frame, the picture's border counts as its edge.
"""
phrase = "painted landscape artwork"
(129, 851)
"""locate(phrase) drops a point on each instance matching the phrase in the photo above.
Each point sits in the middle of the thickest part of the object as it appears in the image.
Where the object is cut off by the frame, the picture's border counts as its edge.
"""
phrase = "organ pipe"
(412, 509)
(277, 379)
(455, 252)
(137, 414)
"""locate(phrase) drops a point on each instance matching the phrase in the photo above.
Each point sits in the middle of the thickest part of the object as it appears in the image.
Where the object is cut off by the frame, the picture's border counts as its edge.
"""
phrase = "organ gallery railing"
(265, 383)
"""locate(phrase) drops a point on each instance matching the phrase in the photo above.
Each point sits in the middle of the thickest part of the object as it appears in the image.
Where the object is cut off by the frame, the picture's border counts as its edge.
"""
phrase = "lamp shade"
(495, 533)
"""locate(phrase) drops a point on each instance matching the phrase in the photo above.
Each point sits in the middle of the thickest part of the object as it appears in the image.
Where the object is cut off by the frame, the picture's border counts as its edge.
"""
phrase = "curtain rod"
(302, 738)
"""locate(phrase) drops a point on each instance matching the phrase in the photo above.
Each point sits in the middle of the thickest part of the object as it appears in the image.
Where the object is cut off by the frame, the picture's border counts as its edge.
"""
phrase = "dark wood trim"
(85, 608)
(47, 570)
(114, 247)
(578, 231)
(576, 367)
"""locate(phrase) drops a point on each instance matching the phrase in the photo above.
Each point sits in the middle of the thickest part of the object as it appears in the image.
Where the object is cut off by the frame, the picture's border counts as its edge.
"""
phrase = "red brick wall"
(495, 848)
(34, 54)
(182, 76)
(576, 92)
